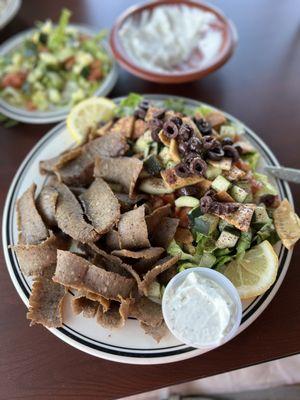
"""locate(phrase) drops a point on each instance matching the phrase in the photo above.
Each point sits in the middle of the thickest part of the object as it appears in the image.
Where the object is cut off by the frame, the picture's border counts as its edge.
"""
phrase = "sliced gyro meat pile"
(133, 230)
(76, 167)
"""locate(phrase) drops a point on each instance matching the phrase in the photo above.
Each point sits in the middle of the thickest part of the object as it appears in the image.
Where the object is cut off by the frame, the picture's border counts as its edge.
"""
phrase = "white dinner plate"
(56, 113)
(129, 344)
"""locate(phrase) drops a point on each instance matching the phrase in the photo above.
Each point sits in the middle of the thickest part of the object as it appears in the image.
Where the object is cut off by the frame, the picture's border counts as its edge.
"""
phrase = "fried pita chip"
(241, 218)
(287, 224)
(174, 181)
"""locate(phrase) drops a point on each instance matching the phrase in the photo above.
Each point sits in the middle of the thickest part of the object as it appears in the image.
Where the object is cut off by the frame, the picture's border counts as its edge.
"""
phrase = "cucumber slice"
(187, 201)
(194, 213)
(212, 172)
(154, 186)
(206, 224)
(152, 165)
(220, 184)
(239, 194)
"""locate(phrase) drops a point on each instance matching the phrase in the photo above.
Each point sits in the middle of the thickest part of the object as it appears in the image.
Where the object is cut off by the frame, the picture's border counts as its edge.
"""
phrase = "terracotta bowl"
(184, 73)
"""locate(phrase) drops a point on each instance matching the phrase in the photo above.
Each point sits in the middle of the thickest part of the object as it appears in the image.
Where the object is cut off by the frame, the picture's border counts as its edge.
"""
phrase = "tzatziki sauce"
(200, 311)
(165, 38)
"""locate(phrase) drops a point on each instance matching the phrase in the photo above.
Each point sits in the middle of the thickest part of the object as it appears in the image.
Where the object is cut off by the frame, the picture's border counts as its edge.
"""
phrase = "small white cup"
(219, 279)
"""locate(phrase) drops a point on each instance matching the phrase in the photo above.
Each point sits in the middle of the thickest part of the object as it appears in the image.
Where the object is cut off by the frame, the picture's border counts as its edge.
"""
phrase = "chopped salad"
(56, 66)
(154, 189)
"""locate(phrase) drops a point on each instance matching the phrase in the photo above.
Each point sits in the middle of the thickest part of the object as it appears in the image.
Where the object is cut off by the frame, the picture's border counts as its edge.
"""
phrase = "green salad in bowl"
(52, 67)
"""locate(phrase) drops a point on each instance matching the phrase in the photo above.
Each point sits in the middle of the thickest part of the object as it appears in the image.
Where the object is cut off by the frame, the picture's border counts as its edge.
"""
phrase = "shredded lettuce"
(203, 110)
(58, 36)
(128, 105)
(178, 105)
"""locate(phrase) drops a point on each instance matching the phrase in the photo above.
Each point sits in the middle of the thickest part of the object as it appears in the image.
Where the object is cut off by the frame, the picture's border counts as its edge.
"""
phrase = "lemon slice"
(287, 224)
(256, 272)
(87, 114)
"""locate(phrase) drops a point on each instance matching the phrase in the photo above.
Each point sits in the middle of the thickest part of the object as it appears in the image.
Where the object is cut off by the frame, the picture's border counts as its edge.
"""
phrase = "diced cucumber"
(187, 201)
(154, 186)
(206, 224)
(220, 184)
(194, 213)
(227, 239)
(260, 215)
(227, 131)
(143, 143)
(224, 224)
(212, 172)
(238, 193)
(224, 164)
(152, 165)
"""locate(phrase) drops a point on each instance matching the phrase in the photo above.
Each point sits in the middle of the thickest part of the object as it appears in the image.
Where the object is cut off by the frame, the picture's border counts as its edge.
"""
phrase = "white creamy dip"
(200, 311)
(166, 37)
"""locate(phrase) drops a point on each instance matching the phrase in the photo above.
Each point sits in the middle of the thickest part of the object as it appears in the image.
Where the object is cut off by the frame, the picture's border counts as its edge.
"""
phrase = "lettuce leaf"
(128, 105)
(58, 36)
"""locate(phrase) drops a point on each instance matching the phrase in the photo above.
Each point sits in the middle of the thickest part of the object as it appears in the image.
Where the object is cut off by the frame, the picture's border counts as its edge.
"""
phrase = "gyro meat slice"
(157, 332)
(37, 259)
(83, 305)
(165, 232)
(123, 170)
(146, 311)
(76, 272)
(132, 229)
(112, 240)
(116, 316)
(69, 216)
(46, 204)
(45, 302)
(31, 226)
(161, 266)
(139, 254)
(101, 206)
(154, 219)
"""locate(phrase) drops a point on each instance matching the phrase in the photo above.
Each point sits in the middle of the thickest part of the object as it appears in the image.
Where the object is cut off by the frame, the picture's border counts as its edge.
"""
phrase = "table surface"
(261, 86)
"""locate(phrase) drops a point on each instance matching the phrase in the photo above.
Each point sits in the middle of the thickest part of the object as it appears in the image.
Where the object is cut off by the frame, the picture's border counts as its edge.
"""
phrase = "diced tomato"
(14, 79)
(95, 71)
(156, 202)
(69, 62)
(168, 198)
(242, 165)
(255, 185)
(30, 106)
(182, 215)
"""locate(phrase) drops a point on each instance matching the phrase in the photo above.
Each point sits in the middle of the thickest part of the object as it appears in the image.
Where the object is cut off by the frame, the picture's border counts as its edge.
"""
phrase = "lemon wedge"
(87, 114)
(287, 224)
(256, 272)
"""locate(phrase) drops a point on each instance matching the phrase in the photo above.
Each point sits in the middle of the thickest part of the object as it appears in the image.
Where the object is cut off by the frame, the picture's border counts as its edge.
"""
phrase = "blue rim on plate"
(55, 115)
(101, 346)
